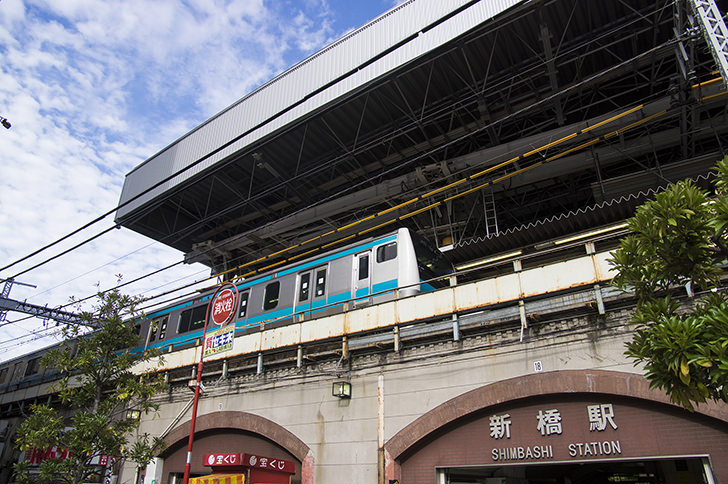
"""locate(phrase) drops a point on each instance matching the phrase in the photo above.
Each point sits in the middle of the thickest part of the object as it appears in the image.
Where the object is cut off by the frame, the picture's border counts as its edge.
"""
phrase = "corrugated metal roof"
(387, 42)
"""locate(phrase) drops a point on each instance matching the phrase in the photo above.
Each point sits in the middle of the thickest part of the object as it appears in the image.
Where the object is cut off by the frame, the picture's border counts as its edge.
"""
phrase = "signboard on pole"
(223, 306)
(219, 341)
(221, 311)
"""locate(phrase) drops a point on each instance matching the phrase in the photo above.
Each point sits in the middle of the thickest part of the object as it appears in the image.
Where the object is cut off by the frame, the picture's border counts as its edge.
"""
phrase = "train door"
(362, 283)
(318, 298)
(303, 295)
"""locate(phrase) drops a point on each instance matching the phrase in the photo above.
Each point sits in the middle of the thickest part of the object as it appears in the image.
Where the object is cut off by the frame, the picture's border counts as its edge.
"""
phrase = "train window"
(153, 330)
(33, 366)
(162, 327)
(387, 252)
(431, 262)
(304, 287)
(270, 297)
(192, 319)
(3, 374)
(363, 267)
(320, 282)
(158, 329)
(244, 303)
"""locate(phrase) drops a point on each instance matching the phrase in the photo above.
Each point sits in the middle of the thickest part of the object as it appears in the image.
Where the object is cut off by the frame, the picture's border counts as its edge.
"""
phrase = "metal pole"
(186, 478)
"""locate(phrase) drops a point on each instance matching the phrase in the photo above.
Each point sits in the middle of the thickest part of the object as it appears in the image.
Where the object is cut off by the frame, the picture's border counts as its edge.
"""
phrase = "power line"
(245, 133)
(343, 191)
(292, 106)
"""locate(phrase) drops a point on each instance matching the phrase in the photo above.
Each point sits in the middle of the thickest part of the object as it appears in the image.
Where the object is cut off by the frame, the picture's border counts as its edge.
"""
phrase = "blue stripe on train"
(243, 324)
(286, 272)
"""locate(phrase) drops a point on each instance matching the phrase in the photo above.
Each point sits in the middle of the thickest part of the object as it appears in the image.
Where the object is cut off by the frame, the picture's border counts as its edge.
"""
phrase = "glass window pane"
(270, 299)
(304, 287)
(192, 319)
(243, 304)
(320, 282)
(387, 252)
(363, 267)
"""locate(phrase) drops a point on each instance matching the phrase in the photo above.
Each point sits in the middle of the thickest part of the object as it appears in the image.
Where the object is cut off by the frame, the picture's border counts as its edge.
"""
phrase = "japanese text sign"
(269, 463)
(219, 341)
(221, 460)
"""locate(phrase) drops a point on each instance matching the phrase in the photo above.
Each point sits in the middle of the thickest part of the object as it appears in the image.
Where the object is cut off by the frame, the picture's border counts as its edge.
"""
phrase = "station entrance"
(685, 470)
(566, 427)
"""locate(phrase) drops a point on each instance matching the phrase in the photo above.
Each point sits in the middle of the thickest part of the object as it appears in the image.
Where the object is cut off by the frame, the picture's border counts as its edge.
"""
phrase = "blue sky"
(93, 88)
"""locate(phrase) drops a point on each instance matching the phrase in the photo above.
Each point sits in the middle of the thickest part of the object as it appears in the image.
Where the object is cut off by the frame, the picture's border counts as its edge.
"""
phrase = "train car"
(395, 265)
(25, 371)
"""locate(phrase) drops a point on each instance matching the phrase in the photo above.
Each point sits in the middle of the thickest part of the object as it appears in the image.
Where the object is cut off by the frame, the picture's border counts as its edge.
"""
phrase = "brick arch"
(241, 421)
(547, 383)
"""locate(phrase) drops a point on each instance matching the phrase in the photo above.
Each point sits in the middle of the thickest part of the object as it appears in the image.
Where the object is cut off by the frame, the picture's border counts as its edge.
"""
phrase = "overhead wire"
(455, 184)
(345, 227)
(273, 117)
(427, 195)
(270, 119)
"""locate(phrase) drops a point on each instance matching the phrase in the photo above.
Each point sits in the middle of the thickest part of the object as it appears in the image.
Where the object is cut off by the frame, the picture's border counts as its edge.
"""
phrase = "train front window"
(387, 252)
(304, 287)
(270, 299)
(431, 262)
(192, 319)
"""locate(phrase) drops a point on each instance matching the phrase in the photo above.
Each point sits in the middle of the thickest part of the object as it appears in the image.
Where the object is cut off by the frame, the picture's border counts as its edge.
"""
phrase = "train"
(397, 264)
(369, 271)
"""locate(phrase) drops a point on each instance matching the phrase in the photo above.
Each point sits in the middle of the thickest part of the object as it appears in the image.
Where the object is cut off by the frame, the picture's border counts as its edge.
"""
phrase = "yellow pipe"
(463, 180)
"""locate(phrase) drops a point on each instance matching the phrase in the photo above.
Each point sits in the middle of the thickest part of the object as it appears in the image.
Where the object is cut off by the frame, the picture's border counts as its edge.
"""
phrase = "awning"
(219, 479)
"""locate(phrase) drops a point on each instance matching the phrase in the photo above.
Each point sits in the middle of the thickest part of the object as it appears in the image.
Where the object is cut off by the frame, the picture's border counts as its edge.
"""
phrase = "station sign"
(542, 435)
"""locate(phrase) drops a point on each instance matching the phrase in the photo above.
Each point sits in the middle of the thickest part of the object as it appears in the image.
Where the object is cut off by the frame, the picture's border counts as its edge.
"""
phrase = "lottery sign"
(221, 460)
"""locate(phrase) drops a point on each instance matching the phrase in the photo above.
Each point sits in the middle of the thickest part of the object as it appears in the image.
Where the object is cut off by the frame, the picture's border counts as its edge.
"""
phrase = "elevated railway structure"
(496, 110)
(516, 136)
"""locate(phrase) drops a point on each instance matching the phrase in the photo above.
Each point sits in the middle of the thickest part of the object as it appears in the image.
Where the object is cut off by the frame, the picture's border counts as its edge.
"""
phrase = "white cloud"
(92, 89)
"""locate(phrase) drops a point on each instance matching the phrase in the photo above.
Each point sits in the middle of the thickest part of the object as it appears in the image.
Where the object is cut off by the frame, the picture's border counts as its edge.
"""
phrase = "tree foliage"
(96, 388)
(679, 239)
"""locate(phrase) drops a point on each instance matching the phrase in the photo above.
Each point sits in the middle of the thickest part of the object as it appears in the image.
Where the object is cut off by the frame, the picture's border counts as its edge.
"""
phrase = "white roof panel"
(347, 64)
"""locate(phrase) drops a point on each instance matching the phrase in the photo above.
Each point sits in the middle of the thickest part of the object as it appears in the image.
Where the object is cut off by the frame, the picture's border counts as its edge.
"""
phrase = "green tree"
(679, 240)
(96, 388)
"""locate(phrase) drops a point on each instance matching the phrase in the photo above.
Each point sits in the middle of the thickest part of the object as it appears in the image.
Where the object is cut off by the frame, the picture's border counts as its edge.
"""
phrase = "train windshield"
(431, 262)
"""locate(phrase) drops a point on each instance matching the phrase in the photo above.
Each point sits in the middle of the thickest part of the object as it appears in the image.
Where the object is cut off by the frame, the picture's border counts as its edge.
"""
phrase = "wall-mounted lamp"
(341, 389)
(133, 414)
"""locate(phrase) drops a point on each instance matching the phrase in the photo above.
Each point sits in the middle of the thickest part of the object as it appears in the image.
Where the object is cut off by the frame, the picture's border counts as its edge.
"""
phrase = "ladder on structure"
(714, 31)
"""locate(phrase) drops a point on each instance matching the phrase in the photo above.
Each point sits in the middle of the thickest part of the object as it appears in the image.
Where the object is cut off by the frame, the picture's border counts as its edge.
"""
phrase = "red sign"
(37, 456)
(221, 460)
(269, 463)
(223, 306)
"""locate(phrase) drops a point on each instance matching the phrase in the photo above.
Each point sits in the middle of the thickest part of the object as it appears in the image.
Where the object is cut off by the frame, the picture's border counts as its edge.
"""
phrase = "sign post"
(221, 309)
